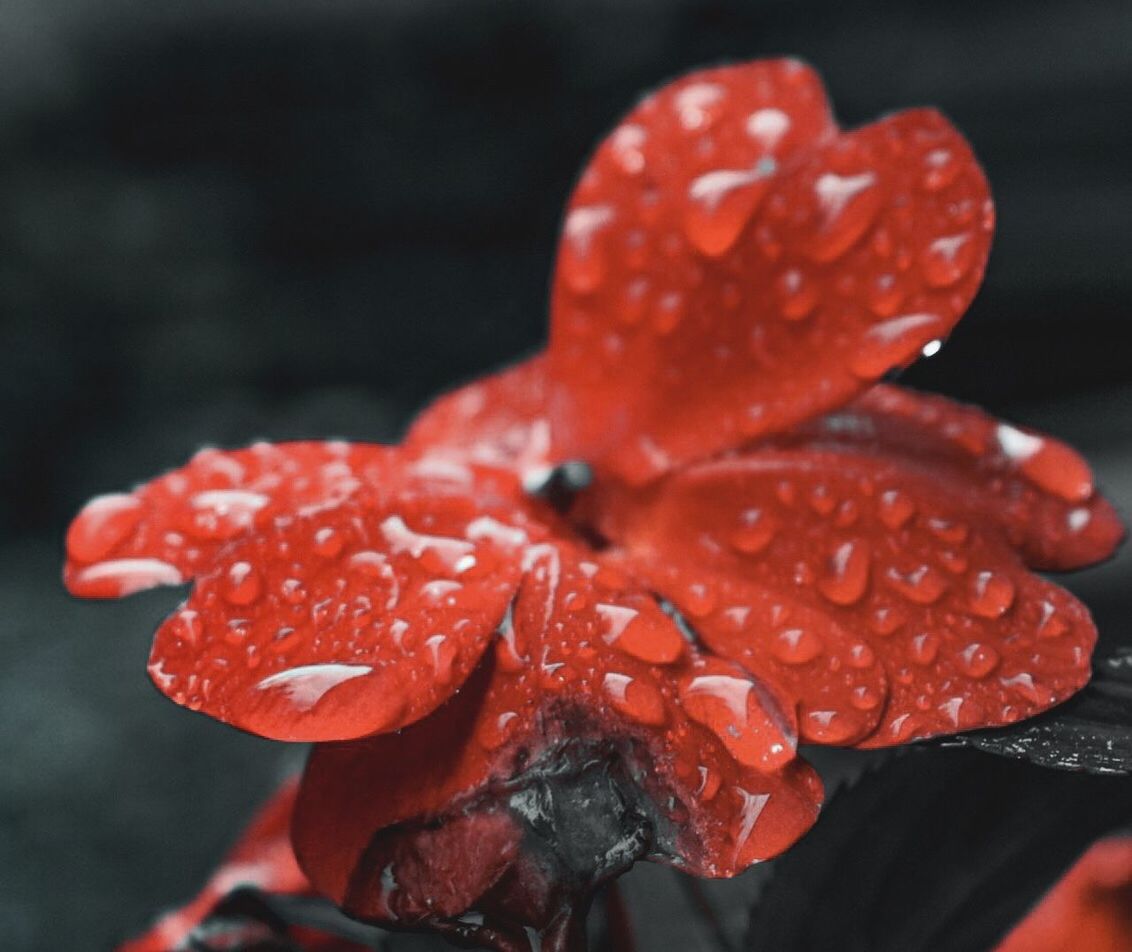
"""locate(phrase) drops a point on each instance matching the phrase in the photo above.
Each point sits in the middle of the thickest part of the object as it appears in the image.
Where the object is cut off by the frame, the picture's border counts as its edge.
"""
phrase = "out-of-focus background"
(226, 220)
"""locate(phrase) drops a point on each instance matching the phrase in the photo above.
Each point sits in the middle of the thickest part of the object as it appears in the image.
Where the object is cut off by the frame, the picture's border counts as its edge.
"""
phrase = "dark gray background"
(227, 220)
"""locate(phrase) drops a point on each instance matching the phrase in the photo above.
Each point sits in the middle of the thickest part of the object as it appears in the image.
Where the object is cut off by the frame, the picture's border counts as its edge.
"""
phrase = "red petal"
(171, 529)
(343, 622)
(731, 265)
(861, 588)
(262, 858)
(1090, 908)
(499, 420)
(1038, 490)
(584, 667)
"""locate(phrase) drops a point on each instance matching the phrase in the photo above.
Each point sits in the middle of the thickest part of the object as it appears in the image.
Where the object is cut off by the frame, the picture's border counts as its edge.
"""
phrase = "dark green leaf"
(935, 851)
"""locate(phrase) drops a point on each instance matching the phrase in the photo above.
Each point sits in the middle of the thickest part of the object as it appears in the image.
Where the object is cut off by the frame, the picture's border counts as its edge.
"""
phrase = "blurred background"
(227, 220)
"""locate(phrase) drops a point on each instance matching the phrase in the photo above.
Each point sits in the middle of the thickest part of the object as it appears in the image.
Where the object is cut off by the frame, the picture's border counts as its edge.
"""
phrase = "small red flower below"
(517, 695)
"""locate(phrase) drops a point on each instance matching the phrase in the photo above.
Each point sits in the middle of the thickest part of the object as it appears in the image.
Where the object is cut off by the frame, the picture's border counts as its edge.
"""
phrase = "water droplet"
(104, 523)
(187, 627)
(1050, 465)
(699, 599)
(861, 656)
(709, 784)
(992, 594)
(635, 698)
(864, 698)
(122, 577)
(699, 105)
(947, 259)
(796, 646)
(443, 652)
(892, 343)
(1051, 624)
(632, 301)
(494, 732)
(755, 532)
(847, 577)
(948, 530)
(885, 295)
(895, 508)
(821, 500)
(668, 312)
(437, 554)
(768, 126)
(241, 584)
(626, 144)
(828, 726)
(305, 686)
(797, 296)
(849, 204)
(942, 169)
(641, 634)
(292, 591)
(581, 257)
(978, 660)
(224, 513)
(886, 620)
(732, 709)
(924, 649)
(922, 585)
(328, 542)
(1023, 683)
(720, 203)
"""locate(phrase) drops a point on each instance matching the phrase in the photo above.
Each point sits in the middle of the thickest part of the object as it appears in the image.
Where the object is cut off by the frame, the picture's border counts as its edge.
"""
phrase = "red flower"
(519, 705)
(1090, 908)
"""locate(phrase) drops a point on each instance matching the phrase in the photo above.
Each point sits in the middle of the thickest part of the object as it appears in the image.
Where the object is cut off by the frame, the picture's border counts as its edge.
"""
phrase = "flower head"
(519, 693)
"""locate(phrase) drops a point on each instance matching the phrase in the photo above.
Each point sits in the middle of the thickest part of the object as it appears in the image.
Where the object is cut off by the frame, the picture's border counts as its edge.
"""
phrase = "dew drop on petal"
(797, 295)
(121, 577)
(947, 259)
(796, 646)
(849, 205)
(847, 577)
(241, 584)
(635, 698)
(992, 594)
(895, 508)
(924, 649)
(892, 343)
(103, 524)
(978, 660)
(754, 534)
(647, 638)
(923, 585)
(581, 258)
(720, 203)
(730, 708)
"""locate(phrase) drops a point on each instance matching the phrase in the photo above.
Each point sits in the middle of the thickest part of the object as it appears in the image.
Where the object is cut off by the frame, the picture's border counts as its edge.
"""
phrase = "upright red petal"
(463, 819)
(730, 265)
(883, 603)
(262, 858)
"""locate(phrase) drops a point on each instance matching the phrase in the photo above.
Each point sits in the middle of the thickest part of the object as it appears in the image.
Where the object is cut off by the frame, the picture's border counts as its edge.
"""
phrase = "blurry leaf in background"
(935, 851)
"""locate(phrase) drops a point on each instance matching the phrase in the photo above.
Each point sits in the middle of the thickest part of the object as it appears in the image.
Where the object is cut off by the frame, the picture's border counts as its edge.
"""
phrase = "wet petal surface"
(888, 610)
(730, 265)
(592, 695)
